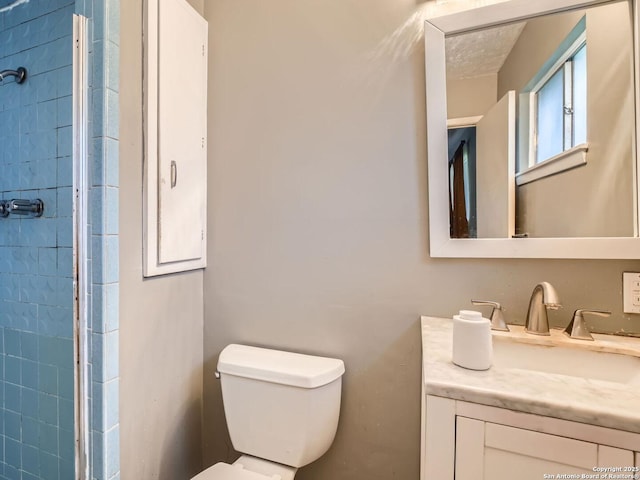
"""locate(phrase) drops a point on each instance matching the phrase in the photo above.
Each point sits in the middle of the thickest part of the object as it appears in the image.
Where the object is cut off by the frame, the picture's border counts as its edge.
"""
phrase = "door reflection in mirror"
(462, 182)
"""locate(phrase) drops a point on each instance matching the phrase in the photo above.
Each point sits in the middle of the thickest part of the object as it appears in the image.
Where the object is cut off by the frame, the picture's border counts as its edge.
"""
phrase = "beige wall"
(470, 97)
(160, 318)
(539, 39)
(318, 237)
(596, 199)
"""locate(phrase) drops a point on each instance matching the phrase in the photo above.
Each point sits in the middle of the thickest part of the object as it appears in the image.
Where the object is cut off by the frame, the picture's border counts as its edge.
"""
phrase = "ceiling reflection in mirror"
(541, 127)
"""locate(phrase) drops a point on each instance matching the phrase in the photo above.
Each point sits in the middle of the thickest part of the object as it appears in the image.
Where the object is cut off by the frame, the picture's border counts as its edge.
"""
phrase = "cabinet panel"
(552, 426)
(561, 450)
(614, 457)
(505, 465)
(439, 438)
(469, 448)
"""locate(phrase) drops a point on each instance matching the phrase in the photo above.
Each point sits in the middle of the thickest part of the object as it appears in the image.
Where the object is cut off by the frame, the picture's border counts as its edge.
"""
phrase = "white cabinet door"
(176, 131)
(182, 122)
(495, 170)
(497, 452)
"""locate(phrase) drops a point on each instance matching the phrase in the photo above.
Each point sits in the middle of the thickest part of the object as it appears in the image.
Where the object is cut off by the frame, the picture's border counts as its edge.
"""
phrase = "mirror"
(531, 125)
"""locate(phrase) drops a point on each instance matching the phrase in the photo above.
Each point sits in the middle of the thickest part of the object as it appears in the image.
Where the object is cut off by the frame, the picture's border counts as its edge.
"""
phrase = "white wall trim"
(504, 12)
(567, 160)
(463, 121)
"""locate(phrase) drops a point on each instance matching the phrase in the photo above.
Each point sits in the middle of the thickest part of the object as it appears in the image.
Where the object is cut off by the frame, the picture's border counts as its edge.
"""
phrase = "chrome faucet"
(497, 315)
(577, 327)
(544, 296)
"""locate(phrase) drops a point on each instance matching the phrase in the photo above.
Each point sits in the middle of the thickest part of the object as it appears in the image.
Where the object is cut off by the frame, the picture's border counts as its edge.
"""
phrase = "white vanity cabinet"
(465, 441)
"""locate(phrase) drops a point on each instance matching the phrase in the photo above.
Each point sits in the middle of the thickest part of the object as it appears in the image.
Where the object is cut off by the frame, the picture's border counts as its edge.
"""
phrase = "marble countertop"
(596, 402)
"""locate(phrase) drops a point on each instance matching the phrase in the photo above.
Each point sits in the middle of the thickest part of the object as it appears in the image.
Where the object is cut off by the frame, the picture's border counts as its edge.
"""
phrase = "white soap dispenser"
(472, 345)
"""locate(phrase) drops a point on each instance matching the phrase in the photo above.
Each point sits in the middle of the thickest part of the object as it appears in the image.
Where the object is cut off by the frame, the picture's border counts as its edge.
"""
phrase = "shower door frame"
(81, 243)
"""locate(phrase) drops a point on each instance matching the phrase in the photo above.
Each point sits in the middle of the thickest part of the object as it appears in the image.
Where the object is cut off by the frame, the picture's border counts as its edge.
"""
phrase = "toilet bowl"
(281, 408)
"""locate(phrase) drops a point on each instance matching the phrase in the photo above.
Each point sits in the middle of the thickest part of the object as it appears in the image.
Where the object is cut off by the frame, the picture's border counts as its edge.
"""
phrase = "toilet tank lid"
(275, 366)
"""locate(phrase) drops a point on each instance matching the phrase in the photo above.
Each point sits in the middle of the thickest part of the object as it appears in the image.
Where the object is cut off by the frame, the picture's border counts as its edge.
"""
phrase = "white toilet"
(282, 411)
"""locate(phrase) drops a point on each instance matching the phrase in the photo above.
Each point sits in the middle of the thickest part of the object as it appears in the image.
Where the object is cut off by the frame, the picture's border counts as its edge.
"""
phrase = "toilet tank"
(280, 406)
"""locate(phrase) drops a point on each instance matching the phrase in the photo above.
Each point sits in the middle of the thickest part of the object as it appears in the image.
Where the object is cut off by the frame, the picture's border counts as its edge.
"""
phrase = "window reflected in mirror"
(558, 93)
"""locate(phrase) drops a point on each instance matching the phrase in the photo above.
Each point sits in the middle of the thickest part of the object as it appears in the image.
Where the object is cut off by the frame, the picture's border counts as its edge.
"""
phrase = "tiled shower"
(37, 384)
(36, 257)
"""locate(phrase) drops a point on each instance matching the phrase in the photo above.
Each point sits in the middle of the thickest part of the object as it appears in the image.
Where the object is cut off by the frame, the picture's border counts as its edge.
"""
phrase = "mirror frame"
(440, 244)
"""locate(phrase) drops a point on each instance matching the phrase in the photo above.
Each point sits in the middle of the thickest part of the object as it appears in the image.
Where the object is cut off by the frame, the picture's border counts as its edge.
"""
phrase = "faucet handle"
(577, 328)
(497, 314)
